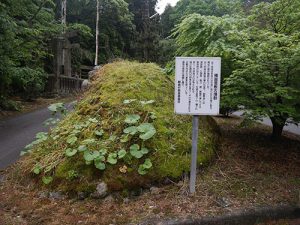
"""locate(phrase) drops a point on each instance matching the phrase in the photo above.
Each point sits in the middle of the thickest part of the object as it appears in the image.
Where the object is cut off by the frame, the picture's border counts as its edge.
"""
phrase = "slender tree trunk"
(97, 34)
(64, 23)
(146, 29)
(278, 124)
(64, 13)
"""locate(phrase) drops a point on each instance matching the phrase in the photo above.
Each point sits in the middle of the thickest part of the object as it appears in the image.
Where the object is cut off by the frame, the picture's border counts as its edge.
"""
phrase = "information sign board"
(197, 85)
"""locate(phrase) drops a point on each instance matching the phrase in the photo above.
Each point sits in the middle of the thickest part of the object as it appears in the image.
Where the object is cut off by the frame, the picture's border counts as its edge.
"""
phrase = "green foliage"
(174, 15)
(266, 80)
(26, 29)
(260, 58)
(28, 82)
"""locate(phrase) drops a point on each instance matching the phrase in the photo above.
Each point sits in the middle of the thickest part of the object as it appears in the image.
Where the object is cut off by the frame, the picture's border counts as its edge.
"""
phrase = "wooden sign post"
(197, 92)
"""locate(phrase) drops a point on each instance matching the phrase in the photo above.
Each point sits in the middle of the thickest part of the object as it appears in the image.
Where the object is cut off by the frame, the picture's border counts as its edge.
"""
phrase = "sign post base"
(194, 154)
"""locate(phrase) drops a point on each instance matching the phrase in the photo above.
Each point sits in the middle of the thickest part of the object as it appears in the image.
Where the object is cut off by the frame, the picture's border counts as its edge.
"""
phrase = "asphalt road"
(17, 132)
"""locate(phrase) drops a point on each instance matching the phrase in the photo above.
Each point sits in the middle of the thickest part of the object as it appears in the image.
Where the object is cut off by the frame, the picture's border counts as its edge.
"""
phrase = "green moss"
(169, 148)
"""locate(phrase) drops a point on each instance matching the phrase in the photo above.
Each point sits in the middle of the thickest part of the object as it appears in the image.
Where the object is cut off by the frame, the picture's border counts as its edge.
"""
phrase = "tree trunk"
(97, 34)
(278, 124)
(64, 23)
(146, 29)
(63, 13)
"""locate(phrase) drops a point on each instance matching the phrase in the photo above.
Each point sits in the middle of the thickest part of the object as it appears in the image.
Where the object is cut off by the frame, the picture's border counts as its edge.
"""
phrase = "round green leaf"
(142, 170)
(89, 141)
(93, 120)
(147, 135)
(147, 102)
(121, 153)
(147, 131)
(131, 119)
(128, 101)
(103, 151)
(82, 148)
(47, 180)
(112, 158)
(124, 138)
(99, 132)
(112, 137)
(71, 139)
(100, 165)
(70, 152)
(144, 150)
(130, 130)
(153, 115)
(147, 164)
(134, 151)
(90, 156)
(37, 169)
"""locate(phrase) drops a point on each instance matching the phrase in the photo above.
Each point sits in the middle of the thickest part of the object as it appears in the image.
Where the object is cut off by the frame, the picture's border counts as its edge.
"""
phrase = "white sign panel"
(197, 85)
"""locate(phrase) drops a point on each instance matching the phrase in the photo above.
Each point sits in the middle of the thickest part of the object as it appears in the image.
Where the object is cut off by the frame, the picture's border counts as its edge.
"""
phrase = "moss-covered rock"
(124, 94)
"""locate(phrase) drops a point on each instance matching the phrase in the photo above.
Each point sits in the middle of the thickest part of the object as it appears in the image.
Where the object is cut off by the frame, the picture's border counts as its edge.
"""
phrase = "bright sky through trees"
(160, 7)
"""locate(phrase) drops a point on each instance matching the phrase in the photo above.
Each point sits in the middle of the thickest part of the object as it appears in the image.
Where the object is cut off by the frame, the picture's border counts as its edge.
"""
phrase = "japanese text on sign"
(197, 85)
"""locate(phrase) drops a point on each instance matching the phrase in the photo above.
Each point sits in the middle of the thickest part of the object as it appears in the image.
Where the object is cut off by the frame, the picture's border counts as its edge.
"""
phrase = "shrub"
(27, 82)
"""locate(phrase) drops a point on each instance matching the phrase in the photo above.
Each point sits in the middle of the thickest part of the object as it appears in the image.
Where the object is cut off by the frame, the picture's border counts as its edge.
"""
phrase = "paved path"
(290, 127)
(17, 132)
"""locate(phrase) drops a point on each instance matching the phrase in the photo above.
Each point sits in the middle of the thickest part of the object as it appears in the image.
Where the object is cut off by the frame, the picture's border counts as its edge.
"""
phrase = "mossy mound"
(156, 145)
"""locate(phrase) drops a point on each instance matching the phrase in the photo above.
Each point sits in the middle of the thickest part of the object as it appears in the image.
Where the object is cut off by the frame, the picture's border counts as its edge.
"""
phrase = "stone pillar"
(58, 61)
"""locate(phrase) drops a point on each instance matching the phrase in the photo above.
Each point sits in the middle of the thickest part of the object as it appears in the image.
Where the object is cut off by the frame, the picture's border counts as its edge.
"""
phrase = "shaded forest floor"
(29, 106)
(250, 170)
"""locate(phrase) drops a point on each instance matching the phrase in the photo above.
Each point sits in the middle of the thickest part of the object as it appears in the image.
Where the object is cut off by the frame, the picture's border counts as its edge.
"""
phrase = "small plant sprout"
(124, 138)
(72, 174)
(37, 169)
(93, 120)
(99, 165)
(132, 119)
(147, 131)
(99, 132)
(112, 158)
(112, 137)
(70, 152)
(71, 139)
(99, 162)
(51, 121)
(128, 101)
(147, 102)
(47, 179)
(143, 168)
(131, 130)
(90, 155)
(89, 141)
(103, 151)
(82, 148)
(58, 108)
(153, 115)
(121, 153)
(136, 152)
